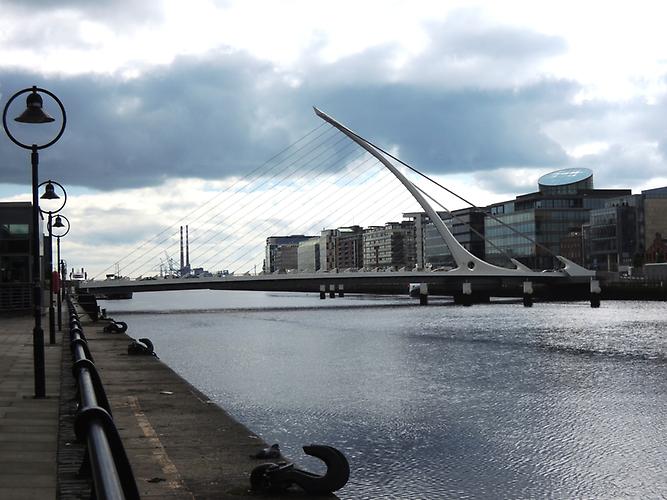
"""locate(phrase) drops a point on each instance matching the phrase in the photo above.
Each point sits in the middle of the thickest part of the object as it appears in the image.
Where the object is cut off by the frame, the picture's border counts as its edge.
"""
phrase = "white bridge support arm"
(466, 262)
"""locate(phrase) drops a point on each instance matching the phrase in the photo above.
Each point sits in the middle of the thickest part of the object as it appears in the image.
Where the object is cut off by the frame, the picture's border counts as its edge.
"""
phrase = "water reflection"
(560, 400)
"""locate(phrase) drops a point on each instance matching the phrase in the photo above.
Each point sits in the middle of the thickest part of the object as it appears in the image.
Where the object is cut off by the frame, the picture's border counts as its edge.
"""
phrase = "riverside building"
(390, 246)
(467, 226)
(308, 255)
(281, 252)
(626, 231)
(341, 248)
(561, 206)
(15, 257)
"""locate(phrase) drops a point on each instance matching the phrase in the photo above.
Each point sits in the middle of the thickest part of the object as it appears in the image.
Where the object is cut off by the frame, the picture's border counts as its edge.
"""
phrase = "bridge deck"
(440, 283)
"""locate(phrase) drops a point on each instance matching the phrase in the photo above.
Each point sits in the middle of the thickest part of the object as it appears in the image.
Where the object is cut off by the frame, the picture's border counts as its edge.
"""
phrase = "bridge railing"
(106, 460)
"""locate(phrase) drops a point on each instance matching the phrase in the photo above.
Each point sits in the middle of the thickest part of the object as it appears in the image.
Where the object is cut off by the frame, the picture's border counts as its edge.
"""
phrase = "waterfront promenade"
(28, 426)
(180, 444)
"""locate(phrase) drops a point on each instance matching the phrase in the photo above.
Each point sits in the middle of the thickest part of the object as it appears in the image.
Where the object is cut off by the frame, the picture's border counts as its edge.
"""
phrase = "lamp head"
(49, 192)
(34, 112)
(58, 222)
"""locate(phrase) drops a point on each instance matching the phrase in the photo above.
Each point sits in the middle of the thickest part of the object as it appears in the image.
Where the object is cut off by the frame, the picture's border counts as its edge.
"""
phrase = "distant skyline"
(168, 100)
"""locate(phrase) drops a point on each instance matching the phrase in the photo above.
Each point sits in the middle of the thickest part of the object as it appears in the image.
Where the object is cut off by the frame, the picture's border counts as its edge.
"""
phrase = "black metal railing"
(106, 461)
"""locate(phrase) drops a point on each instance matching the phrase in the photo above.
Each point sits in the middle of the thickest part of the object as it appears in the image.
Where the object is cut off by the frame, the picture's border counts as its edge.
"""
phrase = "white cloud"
(588, 148)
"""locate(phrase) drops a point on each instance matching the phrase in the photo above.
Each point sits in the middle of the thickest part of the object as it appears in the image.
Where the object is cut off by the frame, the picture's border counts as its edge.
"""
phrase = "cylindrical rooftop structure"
(566, 181)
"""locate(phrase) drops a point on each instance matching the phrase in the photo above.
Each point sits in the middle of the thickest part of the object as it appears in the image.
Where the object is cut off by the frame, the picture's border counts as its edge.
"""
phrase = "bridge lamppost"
(34, 114)
(62, 223)
(50, 194)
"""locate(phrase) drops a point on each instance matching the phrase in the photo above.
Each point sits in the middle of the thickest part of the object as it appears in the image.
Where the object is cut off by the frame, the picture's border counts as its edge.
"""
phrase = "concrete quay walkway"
(180, 445)
(28, 426)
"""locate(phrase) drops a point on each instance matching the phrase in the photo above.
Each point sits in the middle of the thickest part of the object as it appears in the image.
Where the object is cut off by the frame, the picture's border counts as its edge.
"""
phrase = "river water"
(491, 401)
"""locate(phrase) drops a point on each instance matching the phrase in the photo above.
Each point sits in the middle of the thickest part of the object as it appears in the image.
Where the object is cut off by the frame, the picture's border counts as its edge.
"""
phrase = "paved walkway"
(181, 445)
(28, 426)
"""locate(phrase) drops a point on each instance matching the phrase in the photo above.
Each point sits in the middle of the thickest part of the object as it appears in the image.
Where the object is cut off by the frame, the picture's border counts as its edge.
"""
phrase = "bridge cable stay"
(465, 260)
(342, 208)
(322, 166)
(257, 173)
(217, 195)
(268, 226)
(212, 199)
(262, 208)
(314, 170)
(338, 205)
(349, 182)
(284, 194)
(472, 205)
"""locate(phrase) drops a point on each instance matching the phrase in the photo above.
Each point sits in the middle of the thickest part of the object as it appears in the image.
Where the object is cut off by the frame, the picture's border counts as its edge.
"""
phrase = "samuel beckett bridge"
(232, 233)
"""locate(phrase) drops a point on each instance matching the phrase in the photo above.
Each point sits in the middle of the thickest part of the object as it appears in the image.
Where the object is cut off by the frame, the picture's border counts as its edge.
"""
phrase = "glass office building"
(466, 225)
(15, 256)
(530, 228)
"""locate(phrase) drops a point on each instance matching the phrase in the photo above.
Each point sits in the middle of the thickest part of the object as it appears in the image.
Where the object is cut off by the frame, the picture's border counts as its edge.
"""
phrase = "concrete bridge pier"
(332, 291)
(595, 293)
(341, 293)
(465, 298)
(528, 294)
(323, 292)
(423, 294)
(468, 296)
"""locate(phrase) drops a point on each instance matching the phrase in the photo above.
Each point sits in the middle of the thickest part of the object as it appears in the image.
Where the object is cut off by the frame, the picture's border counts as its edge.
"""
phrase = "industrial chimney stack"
(187, 250)
(182, 263)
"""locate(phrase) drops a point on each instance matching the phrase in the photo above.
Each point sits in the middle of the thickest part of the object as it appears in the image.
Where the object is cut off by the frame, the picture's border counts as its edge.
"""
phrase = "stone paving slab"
(27, 493)
(28, 426)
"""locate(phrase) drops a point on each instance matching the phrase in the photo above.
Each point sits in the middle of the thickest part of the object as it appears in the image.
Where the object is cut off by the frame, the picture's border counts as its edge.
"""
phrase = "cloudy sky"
(168, 102)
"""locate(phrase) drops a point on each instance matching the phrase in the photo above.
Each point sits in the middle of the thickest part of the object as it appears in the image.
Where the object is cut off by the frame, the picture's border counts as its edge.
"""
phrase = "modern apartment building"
(341, 248)
(281, 252)
(308, 255)
(390, 246)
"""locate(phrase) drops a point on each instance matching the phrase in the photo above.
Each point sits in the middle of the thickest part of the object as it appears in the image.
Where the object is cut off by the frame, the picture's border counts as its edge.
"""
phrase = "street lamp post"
(35, 114)
(50, 194)
(59, 224)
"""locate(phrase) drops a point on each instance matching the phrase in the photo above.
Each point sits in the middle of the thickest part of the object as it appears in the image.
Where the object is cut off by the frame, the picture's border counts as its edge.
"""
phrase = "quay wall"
(179, 443)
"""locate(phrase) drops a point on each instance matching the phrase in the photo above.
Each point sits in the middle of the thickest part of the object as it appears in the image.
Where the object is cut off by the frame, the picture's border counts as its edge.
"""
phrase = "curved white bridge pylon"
(466, 262)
